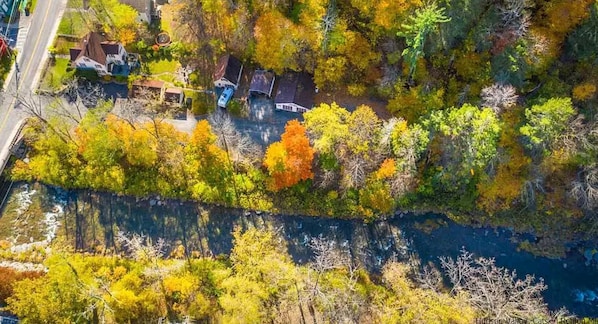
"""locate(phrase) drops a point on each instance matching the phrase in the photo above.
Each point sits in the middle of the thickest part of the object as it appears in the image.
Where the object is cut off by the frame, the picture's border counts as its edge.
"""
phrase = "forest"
(493, 107)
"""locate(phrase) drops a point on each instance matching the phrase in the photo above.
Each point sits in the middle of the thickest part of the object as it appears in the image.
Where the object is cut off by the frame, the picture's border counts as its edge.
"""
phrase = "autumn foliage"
(289, 161)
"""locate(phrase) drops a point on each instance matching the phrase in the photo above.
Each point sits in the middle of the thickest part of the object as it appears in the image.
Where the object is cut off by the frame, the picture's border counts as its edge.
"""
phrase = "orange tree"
(289, 160)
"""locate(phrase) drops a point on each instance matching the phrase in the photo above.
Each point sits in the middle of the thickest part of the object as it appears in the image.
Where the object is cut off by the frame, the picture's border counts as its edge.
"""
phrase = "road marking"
(27, 68)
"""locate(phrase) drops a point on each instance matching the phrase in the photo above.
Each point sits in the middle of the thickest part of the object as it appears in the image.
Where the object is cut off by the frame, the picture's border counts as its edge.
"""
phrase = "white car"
(225, 97)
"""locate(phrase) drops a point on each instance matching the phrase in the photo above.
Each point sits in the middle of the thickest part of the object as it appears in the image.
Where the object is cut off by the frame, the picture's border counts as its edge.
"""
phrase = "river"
(91, 220)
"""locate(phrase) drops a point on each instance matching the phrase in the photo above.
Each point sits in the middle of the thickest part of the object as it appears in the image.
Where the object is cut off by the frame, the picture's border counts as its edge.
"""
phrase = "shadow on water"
(93, 219)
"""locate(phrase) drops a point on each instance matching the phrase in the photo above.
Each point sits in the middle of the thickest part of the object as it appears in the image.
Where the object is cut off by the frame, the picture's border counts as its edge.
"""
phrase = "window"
(86, 60)
(287, 107)
(80, 65)
(99, 66)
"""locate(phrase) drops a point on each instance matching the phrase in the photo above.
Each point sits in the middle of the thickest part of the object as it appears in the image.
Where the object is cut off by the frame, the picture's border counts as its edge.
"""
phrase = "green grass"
(74, 23)
(203, 103)
(62, 45)
(76, 4)
(57, 74)
(162, 69)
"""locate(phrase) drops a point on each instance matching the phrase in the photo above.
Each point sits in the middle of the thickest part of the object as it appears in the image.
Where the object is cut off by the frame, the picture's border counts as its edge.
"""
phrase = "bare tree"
(240, 147)
(496, 292)
(338, 304)
(140, 247)
(585, 188)
(499, 97)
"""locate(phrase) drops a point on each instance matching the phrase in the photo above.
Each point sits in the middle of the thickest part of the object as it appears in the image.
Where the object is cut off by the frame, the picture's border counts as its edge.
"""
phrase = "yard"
(75, 23)
(164, 70)
(56, 74)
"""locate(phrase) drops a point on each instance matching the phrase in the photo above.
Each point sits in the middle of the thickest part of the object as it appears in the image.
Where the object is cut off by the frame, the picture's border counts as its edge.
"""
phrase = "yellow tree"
(276, 42)
(289, 161)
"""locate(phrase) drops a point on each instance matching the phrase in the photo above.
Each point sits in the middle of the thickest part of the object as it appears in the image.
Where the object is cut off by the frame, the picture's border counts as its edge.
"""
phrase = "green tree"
(415, 32)
(547, 122)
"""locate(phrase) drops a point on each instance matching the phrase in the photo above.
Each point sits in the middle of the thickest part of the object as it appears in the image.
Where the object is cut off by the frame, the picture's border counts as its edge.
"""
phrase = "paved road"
(37, 32)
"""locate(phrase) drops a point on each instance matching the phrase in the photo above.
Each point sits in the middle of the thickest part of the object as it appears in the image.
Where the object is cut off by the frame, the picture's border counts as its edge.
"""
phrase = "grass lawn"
(57, 73)
(203, 103)
(5, 64)
(74, 23)
(163, 69)
(62, 45)
(76, 4)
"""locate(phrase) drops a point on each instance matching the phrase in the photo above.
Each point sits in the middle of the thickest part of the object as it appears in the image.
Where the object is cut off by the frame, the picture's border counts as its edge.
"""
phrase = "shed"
(295, 93)
(174, 95)
(262, 83)
(228, 72)
(147, 89)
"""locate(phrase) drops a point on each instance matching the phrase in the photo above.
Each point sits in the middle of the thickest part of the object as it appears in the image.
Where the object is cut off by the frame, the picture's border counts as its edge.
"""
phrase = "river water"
(92, 220)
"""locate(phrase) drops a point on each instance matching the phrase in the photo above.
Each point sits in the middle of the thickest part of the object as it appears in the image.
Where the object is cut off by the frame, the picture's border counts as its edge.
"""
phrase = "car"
(225, 97)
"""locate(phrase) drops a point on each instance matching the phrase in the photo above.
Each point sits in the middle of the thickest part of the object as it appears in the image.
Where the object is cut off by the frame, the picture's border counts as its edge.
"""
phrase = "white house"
(94, 53)
(228, 72)
(295, 93)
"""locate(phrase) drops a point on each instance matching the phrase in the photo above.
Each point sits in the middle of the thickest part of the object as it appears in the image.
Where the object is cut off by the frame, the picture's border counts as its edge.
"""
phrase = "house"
(95, 53)
(146, 9)
(3, 47)
(7, 7)
(296, 92)
(262, 83)
(228, 72)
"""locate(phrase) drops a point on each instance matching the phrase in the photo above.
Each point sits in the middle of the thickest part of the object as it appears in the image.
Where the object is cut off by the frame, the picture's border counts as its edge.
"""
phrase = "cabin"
(96, 53)
(228, 72)
(295, 93)
(262, 83)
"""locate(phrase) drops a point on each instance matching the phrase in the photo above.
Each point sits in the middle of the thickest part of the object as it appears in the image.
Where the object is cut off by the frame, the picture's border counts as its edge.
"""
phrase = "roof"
(177, 91)
(91, 47)
(228, 67)
(110, 47)
(74, 52)
(149, 84)
(142, 6)
(262, 82)
(298, 88)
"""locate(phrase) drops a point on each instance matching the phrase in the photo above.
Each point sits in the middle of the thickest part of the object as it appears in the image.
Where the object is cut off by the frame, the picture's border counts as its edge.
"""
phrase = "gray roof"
(142, 6)
(262, 82)
(228, 67)
(297, 88)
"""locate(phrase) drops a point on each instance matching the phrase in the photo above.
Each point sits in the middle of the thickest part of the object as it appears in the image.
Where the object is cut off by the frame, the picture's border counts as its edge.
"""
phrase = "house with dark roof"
(228, 72)
(295, 93)
(95, 53)
(7, 7)
(262, 83)
(146, 9)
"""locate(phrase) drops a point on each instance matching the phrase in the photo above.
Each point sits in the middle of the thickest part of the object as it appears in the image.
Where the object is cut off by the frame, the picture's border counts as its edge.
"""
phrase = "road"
(41, 28)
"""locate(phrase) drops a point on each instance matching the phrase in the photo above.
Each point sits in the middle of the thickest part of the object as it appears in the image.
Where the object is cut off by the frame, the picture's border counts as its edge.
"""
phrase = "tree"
(499, 97)
(496, 292)
(424, 22)
(469, 136)
(289, 161)
(547, 122)
(277, 46)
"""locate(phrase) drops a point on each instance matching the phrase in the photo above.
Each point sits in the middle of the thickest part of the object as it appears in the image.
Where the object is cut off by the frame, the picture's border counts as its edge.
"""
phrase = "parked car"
(225, 97)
